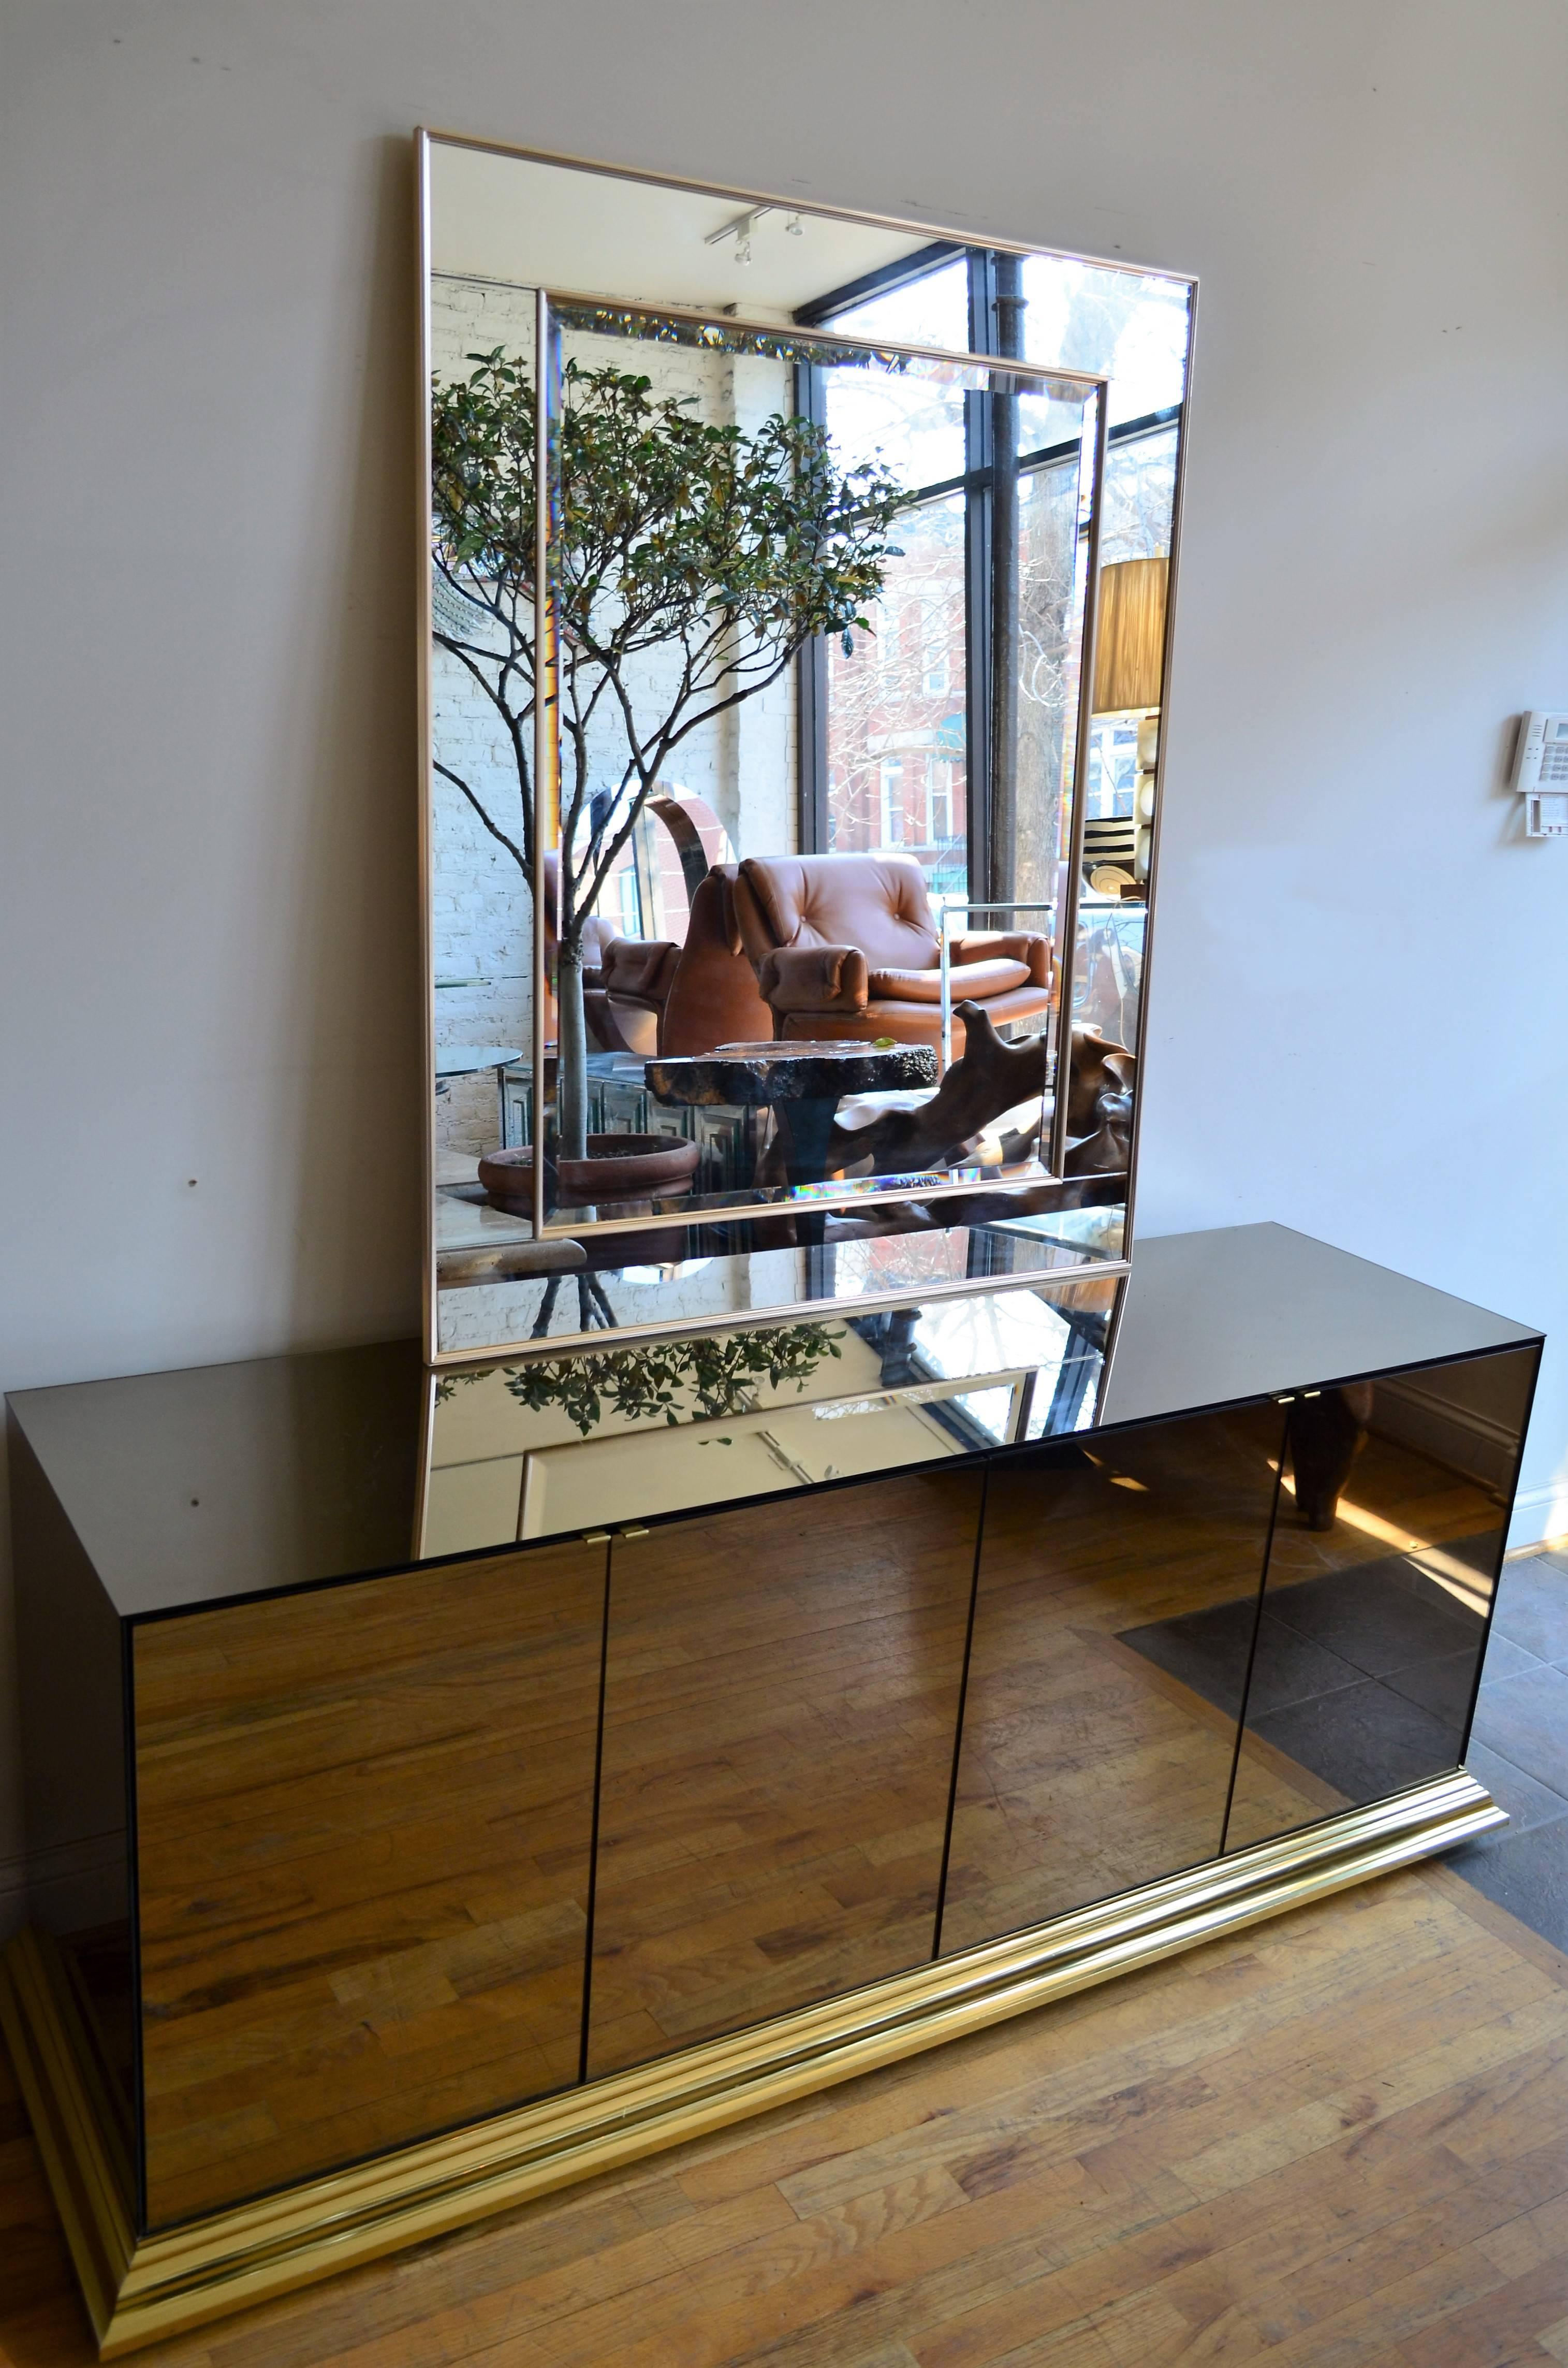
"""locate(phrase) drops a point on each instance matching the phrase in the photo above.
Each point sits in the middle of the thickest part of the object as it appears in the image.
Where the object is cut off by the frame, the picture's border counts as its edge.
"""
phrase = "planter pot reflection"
(620, 1174)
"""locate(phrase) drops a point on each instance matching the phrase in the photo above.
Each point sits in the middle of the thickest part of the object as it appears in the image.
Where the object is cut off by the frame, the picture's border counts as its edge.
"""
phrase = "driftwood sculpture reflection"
(991, 1079)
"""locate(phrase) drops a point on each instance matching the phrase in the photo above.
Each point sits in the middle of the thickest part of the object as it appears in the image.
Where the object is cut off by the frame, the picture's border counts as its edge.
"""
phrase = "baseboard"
(1540, 1518)
(1460, 1436)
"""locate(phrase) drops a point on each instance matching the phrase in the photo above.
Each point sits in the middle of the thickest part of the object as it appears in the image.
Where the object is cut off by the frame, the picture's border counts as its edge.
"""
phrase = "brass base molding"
(140, 2289)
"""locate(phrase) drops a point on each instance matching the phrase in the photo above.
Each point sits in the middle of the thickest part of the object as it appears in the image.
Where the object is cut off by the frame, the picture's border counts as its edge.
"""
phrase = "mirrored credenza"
(498, 1774)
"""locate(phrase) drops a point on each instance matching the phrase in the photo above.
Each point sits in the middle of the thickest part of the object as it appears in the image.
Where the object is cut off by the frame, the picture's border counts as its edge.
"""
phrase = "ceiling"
(511, 218)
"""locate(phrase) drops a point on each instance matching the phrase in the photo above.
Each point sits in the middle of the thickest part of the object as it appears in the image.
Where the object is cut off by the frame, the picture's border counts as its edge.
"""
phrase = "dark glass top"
(191, 1487)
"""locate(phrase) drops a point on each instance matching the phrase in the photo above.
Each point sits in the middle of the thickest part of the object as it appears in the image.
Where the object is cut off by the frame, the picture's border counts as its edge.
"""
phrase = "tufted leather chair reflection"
(713, 996)
(688, 998)
(846, 946)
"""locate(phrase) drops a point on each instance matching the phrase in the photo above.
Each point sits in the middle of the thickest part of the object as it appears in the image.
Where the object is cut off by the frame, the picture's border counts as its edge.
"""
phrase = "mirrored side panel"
(781, 1695)
(1392, 1525)
(796, 881)
(364, 1820)
(71, 1664)
(1118, 1587)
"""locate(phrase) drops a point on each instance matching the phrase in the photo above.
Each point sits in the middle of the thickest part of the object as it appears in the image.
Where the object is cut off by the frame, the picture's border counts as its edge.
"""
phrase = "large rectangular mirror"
(794, 657)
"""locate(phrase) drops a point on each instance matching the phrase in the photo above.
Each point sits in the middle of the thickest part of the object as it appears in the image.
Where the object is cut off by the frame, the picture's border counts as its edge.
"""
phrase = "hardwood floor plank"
(1042, 2105)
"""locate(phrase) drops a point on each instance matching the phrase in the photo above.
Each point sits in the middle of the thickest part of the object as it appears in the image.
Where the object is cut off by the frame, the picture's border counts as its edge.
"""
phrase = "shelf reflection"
(544, 1445)
(565, 1289)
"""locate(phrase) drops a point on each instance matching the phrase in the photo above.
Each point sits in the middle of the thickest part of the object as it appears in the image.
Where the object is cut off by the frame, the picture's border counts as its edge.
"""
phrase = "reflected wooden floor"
(1337, 2141)
(780, 1702)
(1084, 1769)
(364, 1829)
(1395, 1498)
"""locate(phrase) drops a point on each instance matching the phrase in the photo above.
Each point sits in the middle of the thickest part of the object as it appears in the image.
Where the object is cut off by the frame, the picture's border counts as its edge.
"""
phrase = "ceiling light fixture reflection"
(740, 229)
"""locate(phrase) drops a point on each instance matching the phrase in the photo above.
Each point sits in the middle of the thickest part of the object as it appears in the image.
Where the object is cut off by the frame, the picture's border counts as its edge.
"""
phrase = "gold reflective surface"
(364, 1815)
(363, 1812)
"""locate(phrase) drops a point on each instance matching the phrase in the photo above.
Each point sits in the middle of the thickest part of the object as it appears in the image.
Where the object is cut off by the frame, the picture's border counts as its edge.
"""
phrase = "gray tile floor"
(1361, 1676)
(1364, 1677)
(1520, 1749)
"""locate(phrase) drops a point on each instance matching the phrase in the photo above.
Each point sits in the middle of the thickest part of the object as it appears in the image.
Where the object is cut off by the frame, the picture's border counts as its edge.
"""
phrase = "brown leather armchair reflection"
(846, 946)
(672, 999)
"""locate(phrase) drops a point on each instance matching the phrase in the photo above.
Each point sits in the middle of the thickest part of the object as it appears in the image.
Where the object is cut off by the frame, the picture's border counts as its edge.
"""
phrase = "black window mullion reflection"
(811, 678)
(977, 577)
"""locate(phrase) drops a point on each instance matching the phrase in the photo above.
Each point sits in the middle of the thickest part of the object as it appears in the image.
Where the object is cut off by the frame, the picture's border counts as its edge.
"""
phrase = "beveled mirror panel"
(795, 656)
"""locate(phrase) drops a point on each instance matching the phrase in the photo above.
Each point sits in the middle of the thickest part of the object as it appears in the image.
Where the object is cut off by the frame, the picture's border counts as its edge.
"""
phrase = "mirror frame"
(1097, 386)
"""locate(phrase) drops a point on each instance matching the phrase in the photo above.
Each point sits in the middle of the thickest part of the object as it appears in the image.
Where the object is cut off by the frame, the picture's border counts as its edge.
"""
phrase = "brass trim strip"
(419, 519)
(184, 2277)
(52, 2054)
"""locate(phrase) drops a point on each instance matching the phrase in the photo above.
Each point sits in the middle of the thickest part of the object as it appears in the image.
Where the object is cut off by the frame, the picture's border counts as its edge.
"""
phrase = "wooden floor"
(1340, 2139)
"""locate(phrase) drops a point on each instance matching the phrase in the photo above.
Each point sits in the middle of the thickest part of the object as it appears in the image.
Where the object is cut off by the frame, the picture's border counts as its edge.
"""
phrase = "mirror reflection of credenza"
(923, 1666)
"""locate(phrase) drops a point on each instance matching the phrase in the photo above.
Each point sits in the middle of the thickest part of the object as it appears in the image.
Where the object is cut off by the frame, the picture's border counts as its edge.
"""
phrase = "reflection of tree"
(1139, 498)
(710, 1374)
(717, 553)
(1047, 669)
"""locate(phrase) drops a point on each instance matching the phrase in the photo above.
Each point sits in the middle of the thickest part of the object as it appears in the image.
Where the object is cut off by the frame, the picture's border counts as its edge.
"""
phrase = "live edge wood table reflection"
(476, 1783)
(802, 1084)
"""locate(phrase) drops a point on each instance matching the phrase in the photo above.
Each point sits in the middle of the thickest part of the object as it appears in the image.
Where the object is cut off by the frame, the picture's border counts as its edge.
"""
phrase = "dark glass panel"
(1249, 1311)
(1391, 1529)
(183, 1489)
(364, 1820)
(1118, 1591)
(782, 1691)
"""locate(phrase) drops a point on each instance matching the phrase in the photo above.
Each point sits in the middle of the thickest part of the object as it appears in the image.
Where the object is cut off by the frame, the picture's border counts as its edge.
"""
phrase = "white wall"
(208, 930)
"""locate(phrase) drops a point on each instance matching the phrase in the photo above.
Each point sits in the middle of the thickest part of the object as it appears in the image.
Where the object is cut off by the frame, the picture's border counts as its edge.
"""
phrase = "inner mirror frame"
(646, 1229)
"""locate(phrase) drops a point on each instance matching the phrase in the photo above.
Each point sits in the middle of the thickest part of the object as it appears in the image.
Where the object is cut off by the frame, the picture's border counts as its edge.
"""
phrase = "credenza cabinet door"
(364, 1819)
(1393, 1522)
(1116, 1598)
(781, 1693)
